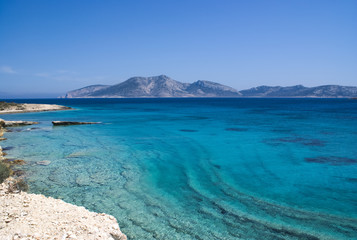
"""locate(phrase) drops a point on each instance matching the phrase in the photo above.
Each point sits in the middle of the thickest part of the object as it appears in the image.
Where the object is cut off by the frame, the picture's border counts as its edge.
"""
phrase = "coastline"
(10, 108)
(35, 216)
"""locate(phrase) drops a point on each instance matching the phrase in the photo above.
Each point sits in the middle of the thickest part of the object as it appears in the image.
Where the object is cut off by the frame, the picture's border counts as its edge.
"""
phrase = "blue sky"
(50, 47)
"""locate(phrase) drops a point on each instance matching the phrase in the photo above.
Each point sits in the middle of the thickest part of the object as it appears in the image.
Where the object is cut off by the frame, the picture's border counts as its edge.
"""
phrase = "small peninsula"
(6, 107)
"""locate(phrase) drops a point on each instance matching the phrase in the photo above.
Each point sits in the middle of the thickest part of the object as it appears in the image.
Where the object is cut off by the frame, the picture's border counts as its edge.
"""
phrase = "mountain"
(158, 86)
(83, 92)
(326, 91)
(206, 88)
(163, 86)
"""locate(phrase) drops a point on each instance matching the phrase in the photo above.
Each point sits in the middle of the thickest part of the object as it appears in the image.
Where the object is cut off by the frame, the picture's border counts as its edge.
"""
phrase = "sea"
(199, 168)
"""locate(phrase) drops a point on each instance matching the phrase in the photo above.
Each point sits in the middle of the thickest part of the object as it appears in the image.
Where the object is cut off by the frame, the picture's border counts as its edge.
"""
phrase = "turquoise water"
(201, 168)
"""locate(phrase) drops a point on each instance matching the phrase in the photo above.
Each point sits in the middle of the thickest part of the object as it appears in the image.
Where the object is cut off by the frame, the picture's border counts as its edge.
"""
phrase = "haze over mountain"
(164, 86)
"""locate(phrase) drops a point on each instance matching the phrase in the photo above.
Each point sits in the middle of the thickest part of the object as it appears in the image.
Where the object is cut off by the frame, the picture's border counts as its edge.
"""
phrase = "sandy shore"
(29, 107)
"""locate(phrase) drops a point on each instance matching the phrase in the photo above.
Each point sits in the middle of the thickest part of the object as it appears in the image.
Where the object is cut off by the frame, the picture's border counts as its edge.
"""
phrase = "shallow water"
(201, 168)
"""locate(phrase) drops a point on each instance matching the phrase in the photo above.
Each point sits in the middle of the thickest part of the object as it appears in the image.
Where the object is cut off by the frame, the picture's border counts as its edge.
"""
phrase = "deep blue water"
(201, 168)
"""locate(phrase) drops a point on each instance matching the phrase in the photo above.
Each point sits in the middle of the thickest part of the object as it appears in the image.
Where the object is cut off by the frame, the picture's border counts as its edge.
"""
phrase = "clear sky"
(53, 46)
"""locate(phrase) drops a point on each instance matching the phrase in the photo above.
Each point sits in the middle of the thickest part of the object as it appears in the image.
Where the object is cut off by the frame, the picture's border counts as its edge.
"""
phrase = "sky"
(50, 47)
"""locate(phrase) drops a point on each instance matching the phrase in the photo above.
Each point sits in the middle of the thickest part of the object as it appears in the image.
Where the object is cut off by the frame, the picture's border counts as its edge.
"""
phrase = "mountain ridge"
(163, 86)
(157, 86)
(323, 91)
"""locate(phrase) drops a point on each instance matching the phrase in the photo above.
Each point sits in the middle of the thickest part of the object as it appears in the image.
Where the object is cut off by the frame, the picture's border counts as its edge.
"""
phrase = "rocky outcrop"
(67, 123)
(6, 108)
(2, 154)
(18, 123)
(2, 124)
(33, 216)
(2, 130)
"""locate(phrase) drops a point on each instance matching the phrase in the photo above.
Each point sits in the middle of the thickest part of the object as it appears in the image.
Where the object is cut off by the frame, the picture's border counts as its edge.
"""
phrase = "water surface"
(201, 168)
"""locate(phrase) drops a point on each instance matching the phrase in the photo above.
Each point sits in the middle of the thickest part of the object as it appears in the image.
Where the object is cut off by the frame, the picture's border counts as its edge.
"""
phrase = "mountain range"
(162, 86)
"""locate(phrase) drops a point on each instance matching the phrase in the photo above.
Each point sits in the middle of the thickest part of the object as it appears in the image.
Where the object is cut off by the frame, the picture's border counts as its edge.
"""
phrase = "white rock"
(49, 218)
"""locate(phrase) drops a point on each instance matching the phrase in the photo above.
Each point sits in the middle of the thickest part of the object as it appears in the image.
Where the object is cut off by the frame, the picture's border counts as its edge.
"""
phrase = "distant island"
(164, 87)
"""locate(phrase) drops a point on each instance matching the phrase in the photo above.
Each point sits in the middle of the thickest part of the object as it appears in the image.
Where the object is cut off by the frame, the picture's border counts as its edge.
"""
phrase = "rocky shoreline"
(34, 216)
(7, 108)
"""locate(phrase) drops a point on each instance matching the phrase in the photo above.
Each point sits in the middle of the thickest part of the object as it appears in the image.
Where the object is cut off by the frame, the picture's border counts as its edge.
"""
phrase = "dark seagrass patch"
(332, 160)
(298, 140)
(236, 129)
(188, 130)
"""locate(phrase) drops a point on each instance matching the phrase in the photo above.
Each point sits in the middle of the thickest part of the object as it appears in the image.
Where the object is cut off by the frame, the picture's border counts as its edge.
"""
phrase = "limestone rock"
(34, 216)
